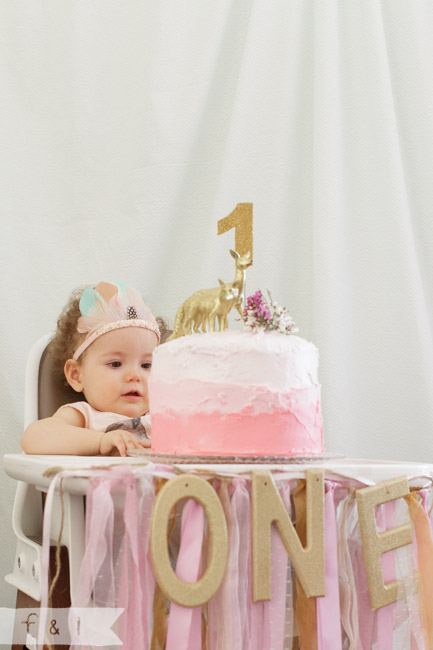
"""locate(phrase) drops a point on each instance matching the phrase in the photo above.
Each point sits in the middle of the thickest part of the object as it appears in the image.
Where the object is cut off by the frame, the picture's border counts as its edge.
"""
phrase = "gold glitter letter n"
(309, 562)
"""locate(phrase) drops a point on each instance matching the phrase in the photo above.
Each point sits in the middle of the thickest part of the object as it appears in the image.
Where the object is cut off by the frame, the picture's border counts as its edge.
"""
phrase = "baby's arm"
(64, 433)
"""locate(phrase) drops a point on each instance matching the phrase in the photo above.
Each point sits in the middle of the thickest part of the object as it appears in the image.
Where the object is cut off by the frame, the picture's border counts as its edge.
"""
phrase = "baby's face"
(115, 370)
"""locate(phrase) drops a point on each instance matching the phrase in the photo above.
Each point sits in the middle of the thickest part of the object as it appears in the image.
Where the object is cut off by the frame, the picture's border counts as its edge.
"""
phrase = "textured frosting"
(236, 392)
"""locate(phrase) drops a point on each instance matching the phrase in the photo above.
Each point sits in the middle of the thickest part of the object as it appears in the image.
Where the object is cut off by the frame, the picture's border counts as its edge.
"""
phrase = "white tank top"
(101, 421)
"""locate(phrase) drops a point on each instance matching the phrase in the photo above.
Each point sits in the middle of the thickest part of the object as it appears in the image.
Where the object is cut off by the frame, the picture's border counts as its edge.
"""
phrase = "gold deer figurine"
(242, 262)
(204, 306)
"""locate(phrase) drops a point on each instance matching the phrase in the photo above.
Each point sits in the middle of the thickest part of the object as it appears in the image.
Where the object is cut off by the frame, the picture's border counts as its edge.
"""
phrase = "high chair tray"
(37, 470)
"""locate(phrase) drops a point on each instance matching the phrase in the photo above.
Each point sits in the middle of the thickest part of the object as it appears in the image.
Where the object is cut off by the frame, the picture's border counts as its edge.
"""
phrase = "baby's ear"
(73, 375)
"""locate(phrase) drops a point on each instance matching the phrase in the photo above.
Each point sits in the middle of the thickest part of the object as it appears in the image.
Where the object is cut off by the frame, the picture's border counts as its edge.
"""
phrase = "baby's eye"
(114, 364)
(147, 365)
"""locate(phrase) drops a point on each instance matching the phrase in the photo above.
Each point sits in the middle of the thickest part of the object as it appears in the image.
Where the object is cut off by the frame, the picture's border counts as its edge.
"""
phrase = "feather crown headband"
(109, 307)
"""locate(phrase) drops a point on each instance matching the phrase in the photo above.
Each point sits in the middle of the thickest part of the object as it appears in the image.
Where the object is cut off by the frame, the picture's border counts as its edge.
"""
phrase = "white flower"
(255, 318)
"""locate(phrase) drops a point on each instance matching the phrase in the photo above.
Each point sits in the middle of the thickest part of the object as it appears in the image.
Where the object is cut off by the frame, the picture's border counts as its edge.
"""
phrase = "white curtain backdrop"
(128, 129)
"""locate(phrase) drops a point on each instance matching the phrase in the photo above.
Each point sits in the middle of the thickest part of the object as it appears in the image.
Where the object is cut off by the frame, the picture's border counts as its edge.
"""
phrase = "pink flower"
(262, 315)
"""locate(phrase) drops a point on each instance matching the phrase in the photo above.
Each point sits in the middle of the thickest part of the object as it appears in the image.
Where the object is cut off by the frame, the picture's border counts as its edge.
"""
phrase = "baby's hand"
(115, 443)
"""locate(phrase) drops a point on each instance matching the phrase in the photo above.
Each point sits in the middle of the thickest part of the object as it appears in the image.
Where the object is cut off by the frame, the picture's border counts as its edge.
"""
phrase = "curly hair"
(66, 338)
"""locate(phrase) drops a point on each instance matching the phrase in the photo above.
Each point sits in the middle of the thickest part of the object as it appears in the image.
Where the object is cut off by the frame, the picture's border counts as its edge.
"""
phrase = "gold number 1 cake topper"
(241, 219)
(205, 306)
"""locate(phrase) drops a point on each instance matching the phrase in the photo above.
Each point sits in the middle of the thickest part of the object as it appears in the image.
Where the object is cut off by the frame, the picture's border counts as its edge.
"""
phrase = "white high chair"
(43, 396)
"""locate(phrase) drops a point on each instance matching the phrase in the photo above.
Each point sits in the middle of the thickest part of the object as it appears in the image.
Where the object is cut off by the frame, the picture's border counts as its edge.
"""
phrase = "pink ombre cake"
(236, 393)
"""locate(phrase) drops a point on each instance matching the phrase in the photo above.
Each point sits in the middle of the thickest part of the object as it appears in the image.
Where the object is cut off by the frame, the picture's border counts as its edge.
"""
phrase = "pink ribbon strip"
(425, 494)
(237, 565)
(244, 519)
(275, 609)
(219, 606)
(184, 625)
(130, 597)
(147, 578)
(99, 531)
(413, 605)
(328, 606)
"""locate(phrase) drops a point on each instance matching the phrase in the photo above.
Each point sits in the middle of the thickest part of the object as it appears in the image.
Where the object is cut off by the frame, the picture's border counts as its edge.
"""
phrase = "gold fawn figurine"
(204, 306)
(242, 262)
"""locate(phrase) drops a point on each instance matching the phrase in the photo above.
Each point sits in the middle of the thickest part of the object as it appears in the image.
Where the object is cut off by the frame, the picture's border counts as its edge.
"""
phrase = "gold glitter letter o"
(188, 594)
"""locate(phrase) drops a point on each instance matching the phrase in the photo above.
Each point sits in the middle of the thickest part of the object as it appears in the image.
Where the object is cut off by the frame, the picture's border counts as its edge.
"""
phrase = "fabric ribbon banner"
(121, 569)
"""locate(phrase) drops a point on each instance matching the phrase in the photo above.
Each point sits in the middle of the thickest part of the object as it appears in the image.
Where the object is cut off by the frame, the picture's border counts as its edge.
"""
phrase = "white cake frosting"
(231, 386)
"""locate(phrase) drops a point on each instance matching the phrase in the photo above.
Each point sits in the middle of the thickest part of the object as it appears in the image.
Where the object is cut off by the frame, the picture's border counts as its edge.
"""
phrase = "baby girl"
(104, 343)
